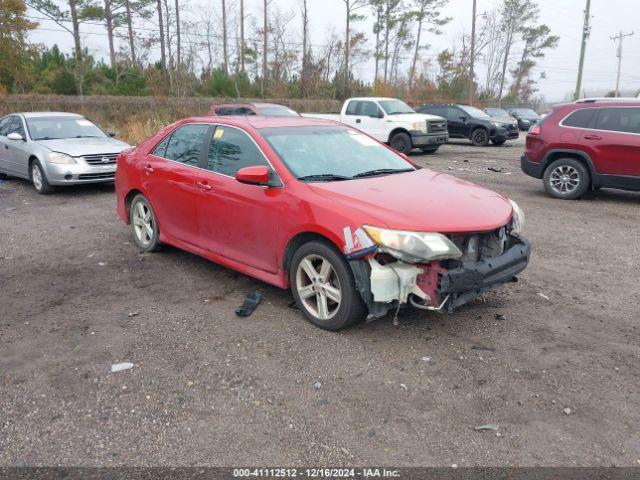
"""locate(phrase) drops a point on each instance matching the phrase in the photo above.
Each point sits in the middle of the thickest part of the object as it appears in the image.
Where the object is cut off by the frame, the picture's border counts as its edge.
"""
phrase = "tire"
(498, 142)
(401, 142)
(312, 259)
(480, 137)
(430, 150)
(566, 178)
(144, 225)
(39, 179)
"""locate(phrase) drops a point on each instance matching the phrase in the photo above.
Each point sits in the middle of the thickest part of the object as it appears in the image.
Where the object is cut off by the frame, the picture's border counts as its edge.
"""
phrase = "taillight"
(534, 130)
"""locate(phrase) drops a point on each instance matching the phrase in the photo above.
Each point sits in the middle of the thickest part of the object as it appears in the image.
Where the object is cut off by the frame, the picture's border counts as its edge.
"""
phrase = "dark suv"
(584, 146)
(525, 116)
(465, 121)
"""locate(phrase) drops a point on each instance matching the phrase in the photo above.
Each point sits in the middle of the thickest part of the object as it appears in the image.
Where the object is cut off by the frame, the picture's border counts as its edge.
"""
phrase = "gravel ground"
(558, 374)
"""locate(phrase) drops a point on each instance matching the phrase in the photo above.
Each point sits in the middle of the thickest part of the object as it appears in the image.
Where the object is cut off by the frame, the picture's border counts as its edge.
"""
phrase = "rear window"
(618, 120)
(580, 118)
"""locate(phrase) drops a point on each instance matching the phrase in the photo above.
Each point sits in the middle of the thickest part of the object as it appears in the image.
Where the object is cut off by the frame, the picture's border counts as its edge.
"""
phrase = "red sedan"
(352, 227)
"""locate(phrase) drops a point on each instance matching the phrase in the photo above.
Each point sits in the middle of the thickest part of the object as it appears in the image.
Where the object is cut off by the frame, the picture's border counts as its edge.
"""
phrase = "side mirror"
(15, 136)
(256, 175)
(379, 115)
(463, 118)
(111, 134)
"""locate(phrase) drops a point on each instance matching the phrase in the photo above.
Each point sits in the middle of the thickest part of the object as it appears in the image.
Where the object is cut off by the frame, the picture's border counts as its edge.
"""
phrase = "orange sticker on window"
(218, 133)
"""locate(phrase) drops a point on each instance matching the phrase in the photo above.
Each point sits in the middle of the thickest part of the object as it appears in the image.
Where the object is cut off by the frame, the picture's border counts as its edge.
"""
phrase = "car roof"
(263, 121)
(372, 99)
(49, 114)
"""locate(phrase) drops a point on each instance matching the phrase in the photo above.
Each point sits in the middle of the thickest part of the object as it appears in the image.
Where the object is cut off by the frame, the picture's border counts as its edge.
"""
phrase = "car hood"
(77, 147)
(422, 200)
(504, 119)
(414, 117)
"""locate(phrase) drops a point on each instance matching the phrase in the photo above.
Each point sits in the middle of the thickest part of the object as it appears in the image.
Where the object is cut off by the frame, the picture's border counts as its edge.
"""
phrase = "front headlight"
(60, 158)
(518, 220)
(419, 126)
(413, 246)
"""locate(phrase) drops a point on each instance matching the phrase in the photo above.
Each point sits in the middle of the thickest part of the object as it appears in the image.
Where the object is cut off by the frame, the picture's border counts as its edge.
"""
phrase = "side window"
(619, 120)
(231, 150)
(579, 118)
(17, 127)
(186, 143)
(453, 114)
(5, 125)
(369, 109)
(352, 108)
(161, 148)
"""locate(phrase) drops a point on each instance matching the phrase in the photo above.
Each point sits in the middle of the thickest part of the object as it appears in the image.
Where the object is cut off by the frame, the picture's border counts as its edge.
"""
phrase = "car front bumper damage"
(433, 286)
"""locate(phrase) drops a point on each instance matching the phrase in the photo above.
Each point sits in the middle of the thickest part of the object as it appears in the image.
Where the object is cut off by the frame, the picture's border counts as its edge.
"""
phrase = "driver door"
(237, 220)
(373, 121)
(458, 127)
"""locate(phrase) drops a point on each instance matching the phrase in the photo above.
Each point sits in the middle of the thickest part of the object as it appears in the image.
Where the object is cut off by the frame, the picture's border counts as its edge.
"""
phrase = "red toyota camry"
(352, 227)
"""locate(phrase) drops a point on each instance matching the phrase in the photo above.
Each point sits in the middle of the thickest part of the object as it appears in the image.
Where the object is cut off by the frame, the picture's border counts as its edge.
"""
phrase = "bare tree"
(352, 7)
(179, 46)
(426, 13)
(163, 53)
(225, 38)
(242, 42)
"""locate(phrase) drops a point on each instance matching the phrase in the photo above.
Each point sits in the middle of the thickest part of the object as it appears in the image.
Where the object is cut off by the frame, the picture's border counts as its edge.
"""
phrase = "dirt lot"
(214, 389)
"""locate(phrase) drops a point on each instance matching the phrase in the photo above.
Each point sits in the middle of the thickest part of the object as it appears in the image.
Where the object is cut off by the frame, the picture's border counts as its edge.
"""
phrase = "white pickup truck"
(391, 121)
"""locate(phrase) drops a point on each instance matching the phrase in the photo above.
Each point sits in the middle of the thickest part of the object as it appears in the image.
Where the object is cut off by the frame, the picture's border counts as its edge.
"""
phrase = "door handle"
(148, 168)
(358, 120)
(203, 186)
(593, 137)
(6, 146)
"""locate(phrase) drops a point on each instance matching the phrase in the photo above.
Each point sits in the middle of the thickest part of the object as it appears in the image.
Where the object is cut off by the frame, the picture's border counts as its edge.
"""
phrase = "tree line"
(226, 49)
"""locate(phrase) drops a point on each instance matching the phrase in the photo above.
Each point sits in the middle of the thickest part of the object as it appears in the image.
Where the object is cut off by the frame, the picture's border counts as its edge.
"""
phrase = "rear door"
(613, 141)
(352, 114)
(169, 176)
(6, 161)
(237, 220)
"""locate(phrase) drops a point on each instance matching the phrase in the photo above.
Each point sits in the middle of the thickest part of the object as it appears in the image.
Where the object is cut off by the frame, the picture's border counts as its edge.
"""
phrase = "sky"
(564, 17)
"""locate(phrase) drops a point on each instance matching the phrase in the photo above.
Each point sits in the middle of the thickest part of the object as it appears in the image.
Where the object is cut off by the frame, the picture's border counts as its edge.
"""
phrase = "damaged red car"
(354, 228)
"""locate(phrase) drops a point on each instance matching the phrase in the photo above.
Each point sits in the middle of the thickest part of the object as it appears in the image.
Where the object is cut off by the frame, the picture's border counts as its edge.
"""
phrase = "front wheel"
(566, 178)
(480, 137)
(39, 179)
(324, 288)
(144, 225)
(401, 142)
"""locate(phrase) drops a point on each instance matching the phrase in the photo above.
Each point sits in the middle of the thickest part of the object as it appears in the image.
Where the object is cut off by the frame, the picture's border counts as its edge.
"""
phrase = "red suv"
(585, 146)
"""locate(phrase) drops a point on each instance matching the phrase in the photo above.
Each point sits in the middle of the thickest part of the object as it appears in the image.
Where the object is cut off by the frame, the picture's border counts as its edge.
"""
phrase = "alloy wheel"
(318, 286)
(480, 137)
(564, 179)
(143, 225)
(36, 176)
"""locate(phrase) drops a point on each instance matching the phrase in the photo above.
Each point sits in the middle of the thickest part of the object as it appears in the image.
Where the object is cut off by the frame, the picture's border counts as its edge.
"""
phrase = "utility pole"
(586, 30)
(620, 37)
(473, 53)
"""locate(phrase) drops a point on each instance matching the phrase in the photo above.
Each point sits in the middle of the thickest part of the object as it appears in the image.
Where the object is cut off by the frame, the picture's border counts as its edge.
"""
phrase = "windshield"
(395, 107)
(49, 128)
(331, 153)
(525, 112)
(497, 112)
(277, 110)
(473, 112)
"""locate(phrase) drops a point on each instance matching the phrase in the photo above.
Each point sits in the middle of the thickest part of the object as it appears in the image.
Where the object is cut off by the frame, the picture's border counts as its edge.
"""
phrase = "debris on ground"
(250, 303)
(567, 411)
(102, 264)
(133, 314)
(488, 426)
(403, 386)
(482, 348)
(543, 296)
(495, 169)
(500, 317)
(119, 367)
(317, 385)
(427, 360)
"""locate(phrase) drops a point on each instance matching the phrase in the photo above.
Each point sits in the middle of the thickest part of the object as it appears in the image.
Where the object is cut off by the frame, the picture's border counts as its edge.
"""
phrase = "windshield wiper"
(48, 138)
(87, 136)
(324, 177)
(382, 171)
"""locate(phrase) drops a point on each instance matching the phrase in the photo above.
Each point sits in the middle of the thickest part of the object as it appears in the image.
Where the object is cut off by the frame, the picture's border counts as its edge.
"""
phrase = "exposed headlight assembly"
(413, 246)
(518, 220)
(419, 126)
(60, 158)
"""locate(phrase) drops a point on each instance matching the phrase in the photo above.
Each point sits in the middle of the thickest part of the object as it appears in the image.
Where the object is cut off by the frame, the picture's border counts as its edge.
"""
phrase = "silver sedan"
(53, 148)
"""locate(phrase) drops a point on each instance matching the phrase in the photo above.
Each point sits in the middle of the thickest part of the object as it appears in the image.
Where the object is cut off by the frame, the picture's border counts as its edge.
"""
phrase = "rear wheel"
(566, 178)
(480, 137)
(39, 179)
(144, 225)
(430, 149)
(401, 142)
(323, 287)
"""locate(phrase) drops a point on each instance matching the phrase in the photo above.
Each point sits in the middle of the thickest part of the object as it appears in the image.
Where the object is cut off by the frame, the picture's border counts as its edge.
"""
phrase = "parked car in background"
(465, 121)
(255, 108)
(584, 146)
(55, 148)
(500, 114)
(526, 117)
(393, 122)
(351, 226)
